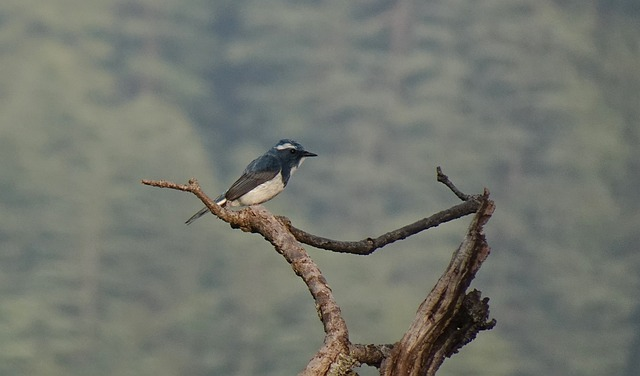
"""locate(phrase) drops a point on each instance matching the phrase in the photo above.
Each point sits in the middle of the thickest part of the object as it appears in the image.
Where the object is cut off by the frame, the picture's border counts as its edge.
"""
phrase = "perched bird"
(264, 177)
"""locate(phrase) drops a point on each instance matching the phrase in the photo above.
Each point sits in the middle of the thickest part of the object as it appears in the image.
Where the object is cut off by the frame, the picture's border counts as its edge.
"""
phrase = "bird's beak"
(309, 154)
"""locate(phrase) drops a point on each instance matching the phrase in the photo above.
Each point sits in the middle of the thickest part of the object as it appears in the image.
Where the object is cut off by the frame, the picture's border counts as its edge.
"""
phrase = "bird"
(263, 178)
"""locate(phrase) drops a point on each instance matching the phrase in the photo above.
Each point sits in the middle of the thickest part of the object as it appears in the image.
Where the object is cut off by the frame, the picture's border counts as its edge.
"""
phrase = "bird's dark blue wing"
(257, 172)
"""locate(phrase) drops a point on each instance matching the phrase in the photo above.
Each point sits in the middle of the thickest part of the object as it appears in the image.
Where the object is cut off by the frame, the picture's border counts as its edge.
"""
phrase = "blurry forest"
(537, 100)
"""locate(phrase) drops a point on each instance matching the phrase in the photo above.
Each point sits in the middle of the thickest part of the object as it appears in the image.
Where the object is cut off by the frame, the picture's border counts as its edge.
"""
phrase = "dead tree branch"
(257, 219)
(446, 320)
(369, 245)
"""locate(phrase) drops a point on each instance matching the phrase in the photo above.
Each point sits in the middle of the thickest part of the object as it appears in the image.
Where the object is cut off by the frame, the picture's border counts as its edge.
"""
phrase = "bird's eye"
(293, 151)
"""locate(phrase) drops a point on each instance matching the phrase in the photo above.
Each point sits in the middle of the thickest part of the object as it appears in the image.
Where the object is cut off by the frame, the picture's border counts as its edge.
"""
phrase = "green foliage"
(538, 101)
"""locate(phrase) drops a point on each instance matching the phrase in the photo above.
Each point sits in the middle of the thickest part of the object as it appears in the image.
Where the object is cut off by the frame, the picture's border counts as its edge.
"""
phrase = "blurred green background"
(537, 100)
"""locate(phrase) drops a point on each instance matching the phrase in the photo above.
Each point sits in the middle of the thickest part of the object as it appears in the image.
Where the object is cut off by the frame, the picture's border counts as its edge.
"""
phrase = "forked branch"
(446, 320)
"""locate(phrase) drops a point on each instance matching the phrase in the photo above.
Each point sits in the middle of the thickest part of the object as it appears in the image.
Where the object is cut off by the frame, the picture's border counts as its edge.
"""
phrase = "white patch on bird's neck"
(295, 168)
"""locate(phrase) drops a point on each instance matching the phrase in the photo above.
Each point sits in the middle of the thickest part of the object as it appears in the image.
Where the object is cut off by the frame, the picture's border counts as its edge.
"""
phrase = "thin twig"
(444, 179)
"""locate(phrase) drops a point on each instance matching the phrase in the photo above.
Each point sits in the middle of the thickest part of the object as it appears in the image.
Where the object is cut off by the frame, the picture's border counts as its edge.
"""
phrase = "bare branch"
(257, 219)
(369, 245)
(228, 216)
(444, 179)
(371, 355)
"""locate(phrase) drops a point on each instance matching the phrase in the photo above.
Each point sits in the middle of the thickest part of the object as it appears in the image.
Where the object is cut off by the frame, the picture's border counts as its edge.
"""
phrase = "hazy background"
(539, 101)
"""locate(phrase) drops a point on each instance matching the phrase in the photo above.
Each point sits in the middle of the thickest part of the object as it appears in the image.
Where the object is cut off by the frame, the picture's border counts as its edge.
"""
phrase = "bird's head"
(291, 153)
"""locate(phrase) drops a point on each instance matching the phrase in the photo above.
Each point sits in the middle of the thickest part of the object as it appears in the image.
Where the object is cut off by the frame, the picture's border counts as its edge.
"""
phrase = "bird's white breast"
(264, 192)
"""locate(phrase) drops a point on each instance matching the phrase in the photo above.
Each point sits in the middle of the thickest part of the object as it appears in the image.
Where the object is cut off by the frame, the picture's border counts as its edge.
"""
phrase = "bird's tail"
(220, 201)
(199, 214)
